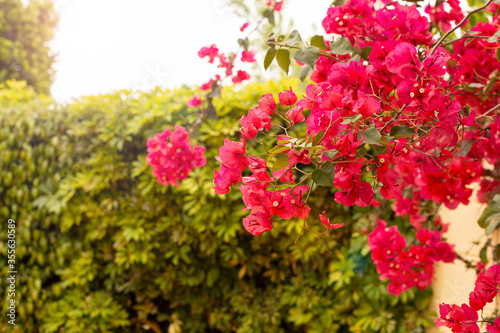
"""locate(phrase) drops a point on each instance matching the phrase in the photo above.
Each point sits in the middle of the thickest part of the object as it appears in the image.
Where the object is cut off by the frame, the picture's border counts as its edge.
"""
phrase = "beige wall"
(453, 282)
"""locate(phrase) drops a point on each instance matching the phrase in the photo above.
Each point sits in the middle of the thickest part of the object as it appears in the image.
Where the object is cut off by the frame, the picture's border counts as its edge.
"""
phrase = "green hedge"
(101, 247)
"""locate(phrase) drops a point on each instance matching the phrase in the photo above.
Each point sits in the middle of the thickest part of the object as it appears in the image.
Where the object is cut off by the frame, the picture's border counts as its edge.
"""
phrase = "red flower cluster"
(172, 157)
(413, 123)
(403, 267)
(464, 318)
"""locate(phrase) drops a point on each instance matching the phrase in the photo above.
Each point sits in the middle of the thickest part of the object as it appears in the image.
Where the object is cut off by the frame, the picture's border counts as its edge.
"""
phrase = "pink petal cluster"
(464, 318)
(406, 268)
(172, 156)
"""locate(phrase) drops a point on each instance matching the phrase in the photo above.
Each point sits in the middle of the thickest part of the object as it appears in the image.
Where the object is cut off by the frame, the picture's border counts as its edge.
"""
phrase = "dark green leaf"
(498, 54)
(283, 59)
(269, 58)
(325, 175)
(319, 42)
(341, 46)
(366, 52)
(484, 251)
(402, 131)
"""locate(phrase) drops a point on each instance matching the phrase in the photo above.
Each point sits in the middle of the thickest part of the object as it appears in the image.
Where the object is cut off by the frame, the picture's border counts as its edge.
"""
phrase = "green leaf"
(351, 119)
(493, 79)
(316, 148)
(280, 163)
(318, 138)
(294, 38)
(386, 140)
(493, 221)
(271, 53)
(277, 150)
(308, 56)
(355, 57)
(492, 209)
(269, 14)
(372, 136)
(304, 72)
(366, 52)
(402, 131)
(319, 42)
(494, 38)
(341, 46)
(244, 43)
(324, 176)
(498, 54)
(331, 154)
(484, 251)
(283, 59)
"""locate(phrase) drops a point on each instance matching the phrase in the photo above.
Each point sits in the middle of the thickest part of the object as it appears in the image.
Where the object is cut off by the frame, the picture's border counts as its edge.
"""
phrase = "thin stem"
(458, 26)
(487, 113)
(466, 37)
(393, 119)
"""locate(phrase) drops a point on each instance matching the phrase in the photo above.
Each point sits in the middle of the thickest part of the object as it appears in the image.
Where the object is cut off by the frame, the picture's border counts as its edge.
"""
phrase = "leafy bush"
(102, 247)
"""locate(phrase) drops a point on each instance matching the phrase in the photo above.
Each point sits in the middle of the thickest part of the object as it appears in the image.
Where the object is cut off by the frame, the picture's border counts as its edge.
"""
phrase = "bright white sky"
(105, 45)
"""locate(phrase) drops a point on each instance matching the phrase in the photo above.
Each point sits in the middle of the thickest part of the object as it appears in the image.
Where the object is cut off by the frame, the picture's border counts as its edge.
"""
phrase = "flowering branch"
(459, 25)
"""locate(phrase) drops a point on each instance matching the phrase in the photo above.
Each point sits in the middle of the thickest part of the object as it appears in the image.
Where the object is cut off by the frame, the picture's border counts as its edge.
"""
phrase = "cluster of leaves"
(25, 29)
(101, 246)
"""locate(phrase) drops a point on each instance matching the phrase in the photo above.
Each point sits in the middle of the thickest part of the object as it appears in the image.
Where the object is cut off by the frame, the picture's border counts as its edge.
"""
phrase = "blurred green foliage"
(25, 29)
(101, 247)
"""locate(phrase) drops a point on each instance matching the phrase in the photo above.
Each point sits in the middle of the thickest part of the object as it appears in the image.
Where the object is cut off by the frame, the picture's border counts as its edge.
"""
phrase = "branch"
(458, 26)
(487, 113)
(393, 118)
(465, 37)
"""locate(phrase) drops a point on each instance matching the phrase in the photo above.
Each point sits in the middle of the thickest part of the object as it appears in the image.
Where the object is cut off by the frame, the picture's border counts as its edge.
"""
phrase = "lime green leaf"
(402, 131)
(283, 59)
(271, 53)
(319, 42)
(280, 163)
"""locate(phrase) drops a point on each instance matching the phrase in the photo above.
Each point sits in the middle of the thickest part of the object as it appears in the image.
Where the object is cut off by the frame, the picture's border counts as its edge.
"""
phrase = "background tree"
(25, 29)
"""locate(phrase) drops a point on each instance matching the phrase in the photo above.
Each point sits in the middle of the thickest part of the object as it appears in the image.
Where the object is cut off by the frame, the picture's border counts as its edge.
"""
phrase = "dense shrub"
(102, 247)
